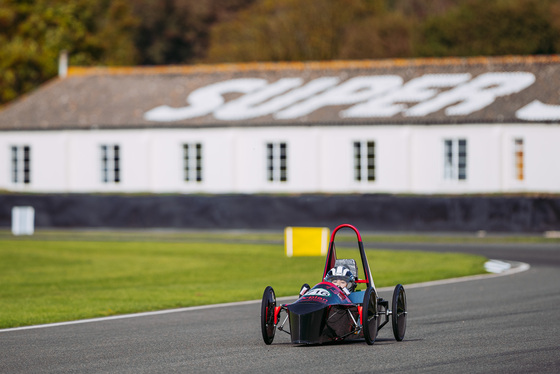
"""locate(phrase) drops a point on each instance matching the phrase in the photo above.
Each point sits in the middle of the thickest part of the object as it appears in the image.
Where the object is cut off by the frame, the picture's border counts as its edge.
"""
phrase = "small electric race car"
(327, 313)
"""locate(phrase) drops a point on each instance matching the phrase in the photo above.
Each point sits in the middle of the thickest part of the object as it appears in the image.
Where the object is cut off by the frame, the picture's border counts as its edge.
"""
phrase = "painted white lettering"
(367, 97)
(318, 292)
(255, 105)
(352, 91)
(538, 111)
(474, 95)
(204, 100)
(416, 90)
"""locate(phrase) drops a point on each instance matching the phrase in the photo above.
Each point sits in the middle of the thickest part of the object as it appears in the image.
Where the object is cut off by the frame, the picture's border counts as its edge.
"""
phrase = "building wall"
(408, 159)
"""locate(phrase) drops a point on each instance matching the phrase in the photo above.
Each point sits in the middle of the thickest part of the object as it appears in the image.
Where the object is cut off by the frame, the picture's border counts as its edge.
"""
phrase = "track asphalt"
(507, 324)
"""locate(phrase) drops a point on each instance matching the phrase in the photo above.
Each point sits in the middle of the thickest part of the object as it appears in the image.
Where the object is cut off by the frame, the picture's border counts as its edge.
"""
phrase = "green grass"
(48, 280)
(272, 237)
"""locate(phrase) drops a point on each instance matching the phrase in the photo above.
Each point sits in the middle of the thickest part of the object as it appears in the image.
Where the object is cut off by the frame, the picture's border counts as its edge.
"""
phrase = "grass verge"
(58, 280)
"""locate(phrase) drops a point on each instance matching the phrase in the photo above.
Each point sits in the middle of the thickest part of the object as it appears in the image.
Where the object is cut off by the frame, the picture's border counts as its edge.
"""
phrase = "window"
(455, 159)
(364, 161)
(192, 162)
(21, 164)
(518, 157)
(110, 163)
(277, 170)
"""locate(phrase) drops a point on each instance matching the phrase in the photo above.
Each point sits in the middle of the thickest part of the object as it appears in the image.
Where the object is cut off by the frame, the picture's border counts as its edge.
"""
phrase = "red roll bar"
(331, 255)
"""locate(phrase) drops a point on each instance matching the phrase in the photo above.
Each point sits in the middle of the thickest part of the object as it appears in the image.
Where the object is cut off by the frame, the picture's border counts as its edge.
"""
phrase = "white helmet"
(343, 273)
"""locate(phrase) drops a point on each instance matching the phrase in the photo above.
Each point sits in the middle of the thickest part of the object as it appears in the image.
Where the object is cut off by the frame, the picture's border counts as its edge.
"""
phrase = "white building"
(423, 126)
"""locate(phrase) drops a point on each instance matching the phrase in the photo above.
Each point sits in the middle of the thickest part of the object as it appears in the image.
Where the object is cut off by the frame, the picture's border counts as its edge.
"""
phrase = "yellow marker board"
(306, 241)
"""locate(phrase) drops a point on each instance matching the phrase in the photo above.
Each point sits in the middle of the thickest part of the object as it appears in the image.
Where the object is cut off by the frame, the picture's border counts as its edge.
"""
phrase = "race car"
(328, 313)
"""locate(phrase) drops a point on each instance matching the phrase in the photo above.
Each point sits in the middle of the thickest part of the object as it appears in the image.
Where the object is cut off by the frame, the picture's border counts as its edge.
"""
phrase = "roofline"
(215, 125)
(312, 65)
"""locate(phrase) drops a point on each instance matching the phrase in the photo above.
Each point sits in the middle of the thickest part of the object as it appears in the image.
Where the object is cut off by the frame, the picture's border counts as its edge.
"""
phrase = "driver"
(342, 277)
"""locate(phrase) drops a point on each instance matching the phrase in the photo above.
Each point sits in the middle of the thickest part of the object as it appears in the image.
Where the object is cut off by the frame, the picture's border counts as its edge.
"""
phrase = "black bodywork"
(323, 314)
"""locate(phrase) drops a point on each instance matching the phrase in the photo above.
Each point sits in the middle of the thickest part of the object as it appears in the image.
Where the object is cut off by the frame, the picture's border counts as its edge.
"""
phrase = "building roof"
(512, 89)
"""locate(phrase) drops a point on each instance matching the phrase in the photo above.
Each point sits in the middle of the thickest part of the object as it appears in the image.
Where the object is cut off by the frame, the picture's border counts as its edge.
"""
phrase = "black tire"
(399, 312)
(369, 315)
(267, 315)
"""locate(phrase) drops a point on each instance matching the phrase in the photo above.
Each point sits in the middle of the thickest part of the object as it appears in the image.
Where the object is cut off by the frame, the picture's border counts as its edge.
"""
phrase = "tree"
(33, 32)
(481, 27)
(286, 30)
(128, 32)
(177, 31)
(385, 35)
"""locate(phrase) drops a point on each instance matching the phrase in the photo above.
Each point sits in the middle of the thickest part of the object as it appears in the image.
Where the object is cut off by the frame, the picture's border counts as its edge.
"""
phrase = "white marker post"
(23, 220)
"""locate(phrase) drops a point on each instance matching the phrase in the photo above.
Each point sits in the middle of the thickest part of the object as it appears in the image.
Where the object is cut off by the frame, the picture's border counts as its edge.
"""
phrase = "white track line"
(515, 267)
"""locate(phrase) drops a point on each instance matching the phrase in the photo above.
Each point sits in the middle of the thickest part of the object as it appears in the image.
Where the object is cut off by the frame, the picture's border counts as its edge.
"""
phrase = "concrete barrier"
(368, 212)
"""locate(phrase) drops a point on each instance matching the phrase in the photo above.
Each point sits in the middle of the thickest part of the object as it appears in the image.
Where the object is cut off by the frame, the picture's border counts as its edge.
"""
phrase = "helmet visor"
(332, 278)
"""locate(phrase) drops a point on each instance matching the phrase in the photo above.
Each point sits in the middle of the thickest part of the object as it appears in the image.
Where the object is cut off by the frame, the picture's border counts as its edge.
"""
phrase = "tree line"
(147, 32)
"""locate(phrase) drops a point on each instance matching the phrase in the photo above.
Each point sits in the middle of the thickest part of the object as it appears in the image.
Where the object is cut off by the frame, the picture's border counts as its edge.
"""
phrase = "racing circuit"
(505, 324)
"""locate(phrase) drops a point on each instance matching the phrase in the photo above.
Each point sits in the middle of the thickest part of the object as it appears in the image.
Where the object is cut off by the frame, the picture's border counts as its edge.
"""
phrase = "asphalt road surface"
(507, 324)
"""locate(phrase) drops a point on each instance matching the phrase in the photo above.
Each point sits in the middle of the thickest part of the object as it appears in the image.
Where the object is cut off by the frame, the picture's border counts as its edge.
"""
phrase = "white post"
(23, 218)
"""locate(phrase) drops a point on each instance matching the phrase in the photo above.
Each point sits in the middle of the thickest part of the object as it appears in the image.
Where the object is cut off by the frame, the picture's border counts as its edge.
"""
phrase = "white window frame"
(192, 162)
(364, 161)
(455, 156)
(20, 157)
(277, 162)
(519, 159)
(111, 162)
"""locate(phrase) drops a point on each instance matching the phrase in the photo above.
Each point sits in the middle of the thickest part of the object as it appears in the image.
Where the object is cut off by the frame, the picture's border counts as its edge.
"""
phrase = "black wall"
(367, 212)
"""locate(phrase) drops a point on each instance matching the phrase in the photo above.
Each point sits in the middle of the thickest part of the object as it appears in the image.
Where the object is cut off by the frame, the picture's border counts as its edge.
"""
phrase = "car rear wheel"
(399, 313)
(268, 306)
(369, 315)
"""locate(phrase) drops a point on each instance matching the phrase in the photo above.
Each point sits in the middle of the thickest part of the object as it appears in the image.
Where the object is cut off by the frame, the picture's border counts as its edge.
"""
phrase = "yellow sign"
(306, 241)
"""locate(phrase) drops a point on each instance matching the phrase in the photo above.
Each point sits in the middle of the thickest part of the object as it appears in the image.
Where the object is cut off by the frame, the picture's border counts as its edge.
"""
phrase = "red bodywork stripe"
(360, 311)
(276, 313)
